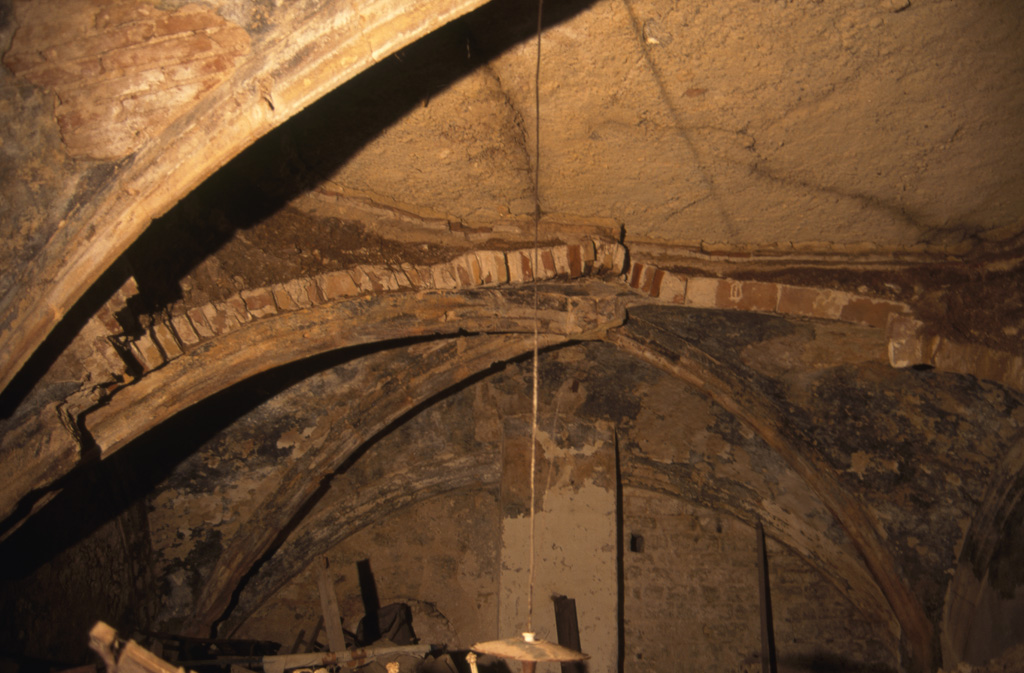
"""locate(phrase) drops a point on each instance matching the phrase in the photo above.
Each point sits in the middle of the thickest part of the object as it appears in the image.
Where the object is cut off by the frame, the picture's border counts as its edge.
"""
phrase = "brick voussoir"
(147, 353)
(199, 323)
(182, 327)
(259, 302)
(164, 336)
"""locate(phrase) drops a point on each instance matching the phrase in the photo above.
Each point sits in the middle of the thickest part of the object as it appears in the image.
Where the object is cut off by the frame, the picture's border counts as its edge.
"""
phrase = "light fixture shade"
(528, 649)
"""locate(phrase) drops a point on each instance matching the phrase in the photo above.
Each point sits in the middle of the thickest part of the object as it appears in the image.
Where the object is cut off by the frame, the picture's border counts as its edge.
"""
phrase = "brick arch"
(345, 426)
(838, 563)
(194, 355)
(41, 450)
(382, 498)
(188, 329)
(303, 322)
(913, 342)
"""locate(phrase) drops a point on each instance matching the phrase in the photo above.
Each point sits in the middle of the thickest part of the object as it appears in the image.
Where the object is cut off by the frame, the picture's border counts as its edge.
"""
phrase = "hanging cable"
(536, 315)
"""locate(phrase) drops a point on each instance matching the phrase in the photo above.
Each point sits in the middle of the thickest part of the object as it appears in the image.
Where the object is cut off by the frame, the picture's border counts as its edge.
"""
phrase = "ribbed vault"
(270, 278)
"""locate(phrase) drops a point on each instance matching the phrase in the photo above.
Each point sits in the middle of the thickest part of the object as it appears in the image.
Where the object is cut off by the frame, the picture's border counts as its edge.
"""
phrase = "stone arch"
(279, 77)
(970, 584)
(578, 313)
(280, 339)
(857, 576)
(372, 503)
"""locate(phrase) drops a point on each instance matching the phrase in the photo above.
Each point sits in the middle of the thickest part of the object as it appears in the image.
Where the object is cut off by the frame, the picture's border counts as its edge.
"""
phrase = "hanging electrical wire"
(528, 649)
(536, 311)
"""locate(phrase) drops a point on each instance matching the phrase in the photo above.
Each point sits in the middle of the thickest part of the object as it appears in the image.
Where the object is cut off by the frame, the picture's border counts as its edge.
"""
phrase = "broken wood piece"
(128, 658)
(137, 659)
(298, 642)
(133, 658)
(102, 639)
(281, 662)
(329, 607)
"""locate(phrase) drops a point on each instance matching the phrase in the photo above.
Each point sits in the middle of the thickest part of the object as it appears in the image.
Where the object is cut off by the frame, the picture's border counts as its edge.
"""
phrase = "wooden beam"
(568, 629)
(329, 606)
(352, 658)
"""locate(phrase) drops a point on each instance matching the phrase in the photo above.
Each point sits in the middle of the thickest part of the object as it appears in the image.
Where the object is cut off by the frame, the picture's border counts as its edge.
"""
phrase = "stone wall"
(50, 597)
(439, 556)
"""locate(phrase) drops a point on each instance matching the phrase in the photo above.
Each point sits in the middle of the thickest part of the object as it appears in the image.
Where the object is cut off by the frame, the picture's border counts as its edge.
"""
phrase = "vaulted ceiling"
(291, 226)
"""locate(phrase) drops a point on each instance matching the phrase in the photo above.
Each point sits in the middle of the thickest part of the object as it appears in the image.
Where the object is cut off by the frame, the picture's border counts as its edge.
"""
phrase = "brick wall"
(691, 598)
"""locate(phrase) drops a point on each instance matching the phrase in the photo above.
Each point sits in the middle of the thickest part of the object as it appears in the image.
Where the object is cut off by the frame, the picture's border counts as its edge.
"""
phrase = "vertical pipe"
(768, 664)
(620, 563)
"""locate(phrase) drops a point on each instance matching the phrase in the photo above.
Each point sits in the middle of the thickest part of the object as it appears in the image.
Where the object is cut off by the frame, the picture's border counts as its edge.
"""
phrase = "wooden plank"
(127, 658)
(358, 656)
(371, 604)
(568, 630)
(102, 639)
(329, 607)
(311, 645)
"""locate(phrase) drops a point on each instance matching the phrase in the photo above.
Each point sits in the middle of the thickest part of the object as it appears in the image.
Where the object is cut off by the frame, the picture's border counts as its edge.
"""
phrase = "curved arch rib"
(271, 342)
(979, 546)
(838, 562)
(45, 451)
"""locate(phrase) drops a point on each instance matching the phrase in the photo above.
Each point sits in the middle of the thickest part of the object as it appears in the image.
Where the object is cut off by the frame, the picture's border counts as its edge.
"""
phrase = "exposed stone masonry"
(910, 344)
(122, 71)
(743, 295)
(167, 340)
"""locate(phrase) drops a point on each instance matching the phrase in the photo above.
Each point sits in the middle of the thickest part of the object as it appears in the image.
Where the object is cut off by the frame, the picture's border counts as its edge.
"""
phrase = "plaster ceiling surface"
(750, 124)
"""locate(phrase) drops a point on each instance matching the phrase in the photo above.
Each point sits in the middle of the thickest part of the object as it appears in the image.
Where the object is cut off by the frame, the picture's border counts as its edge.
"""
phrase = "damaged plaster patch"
(289, 439)
(121, 71)
(861, 462)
